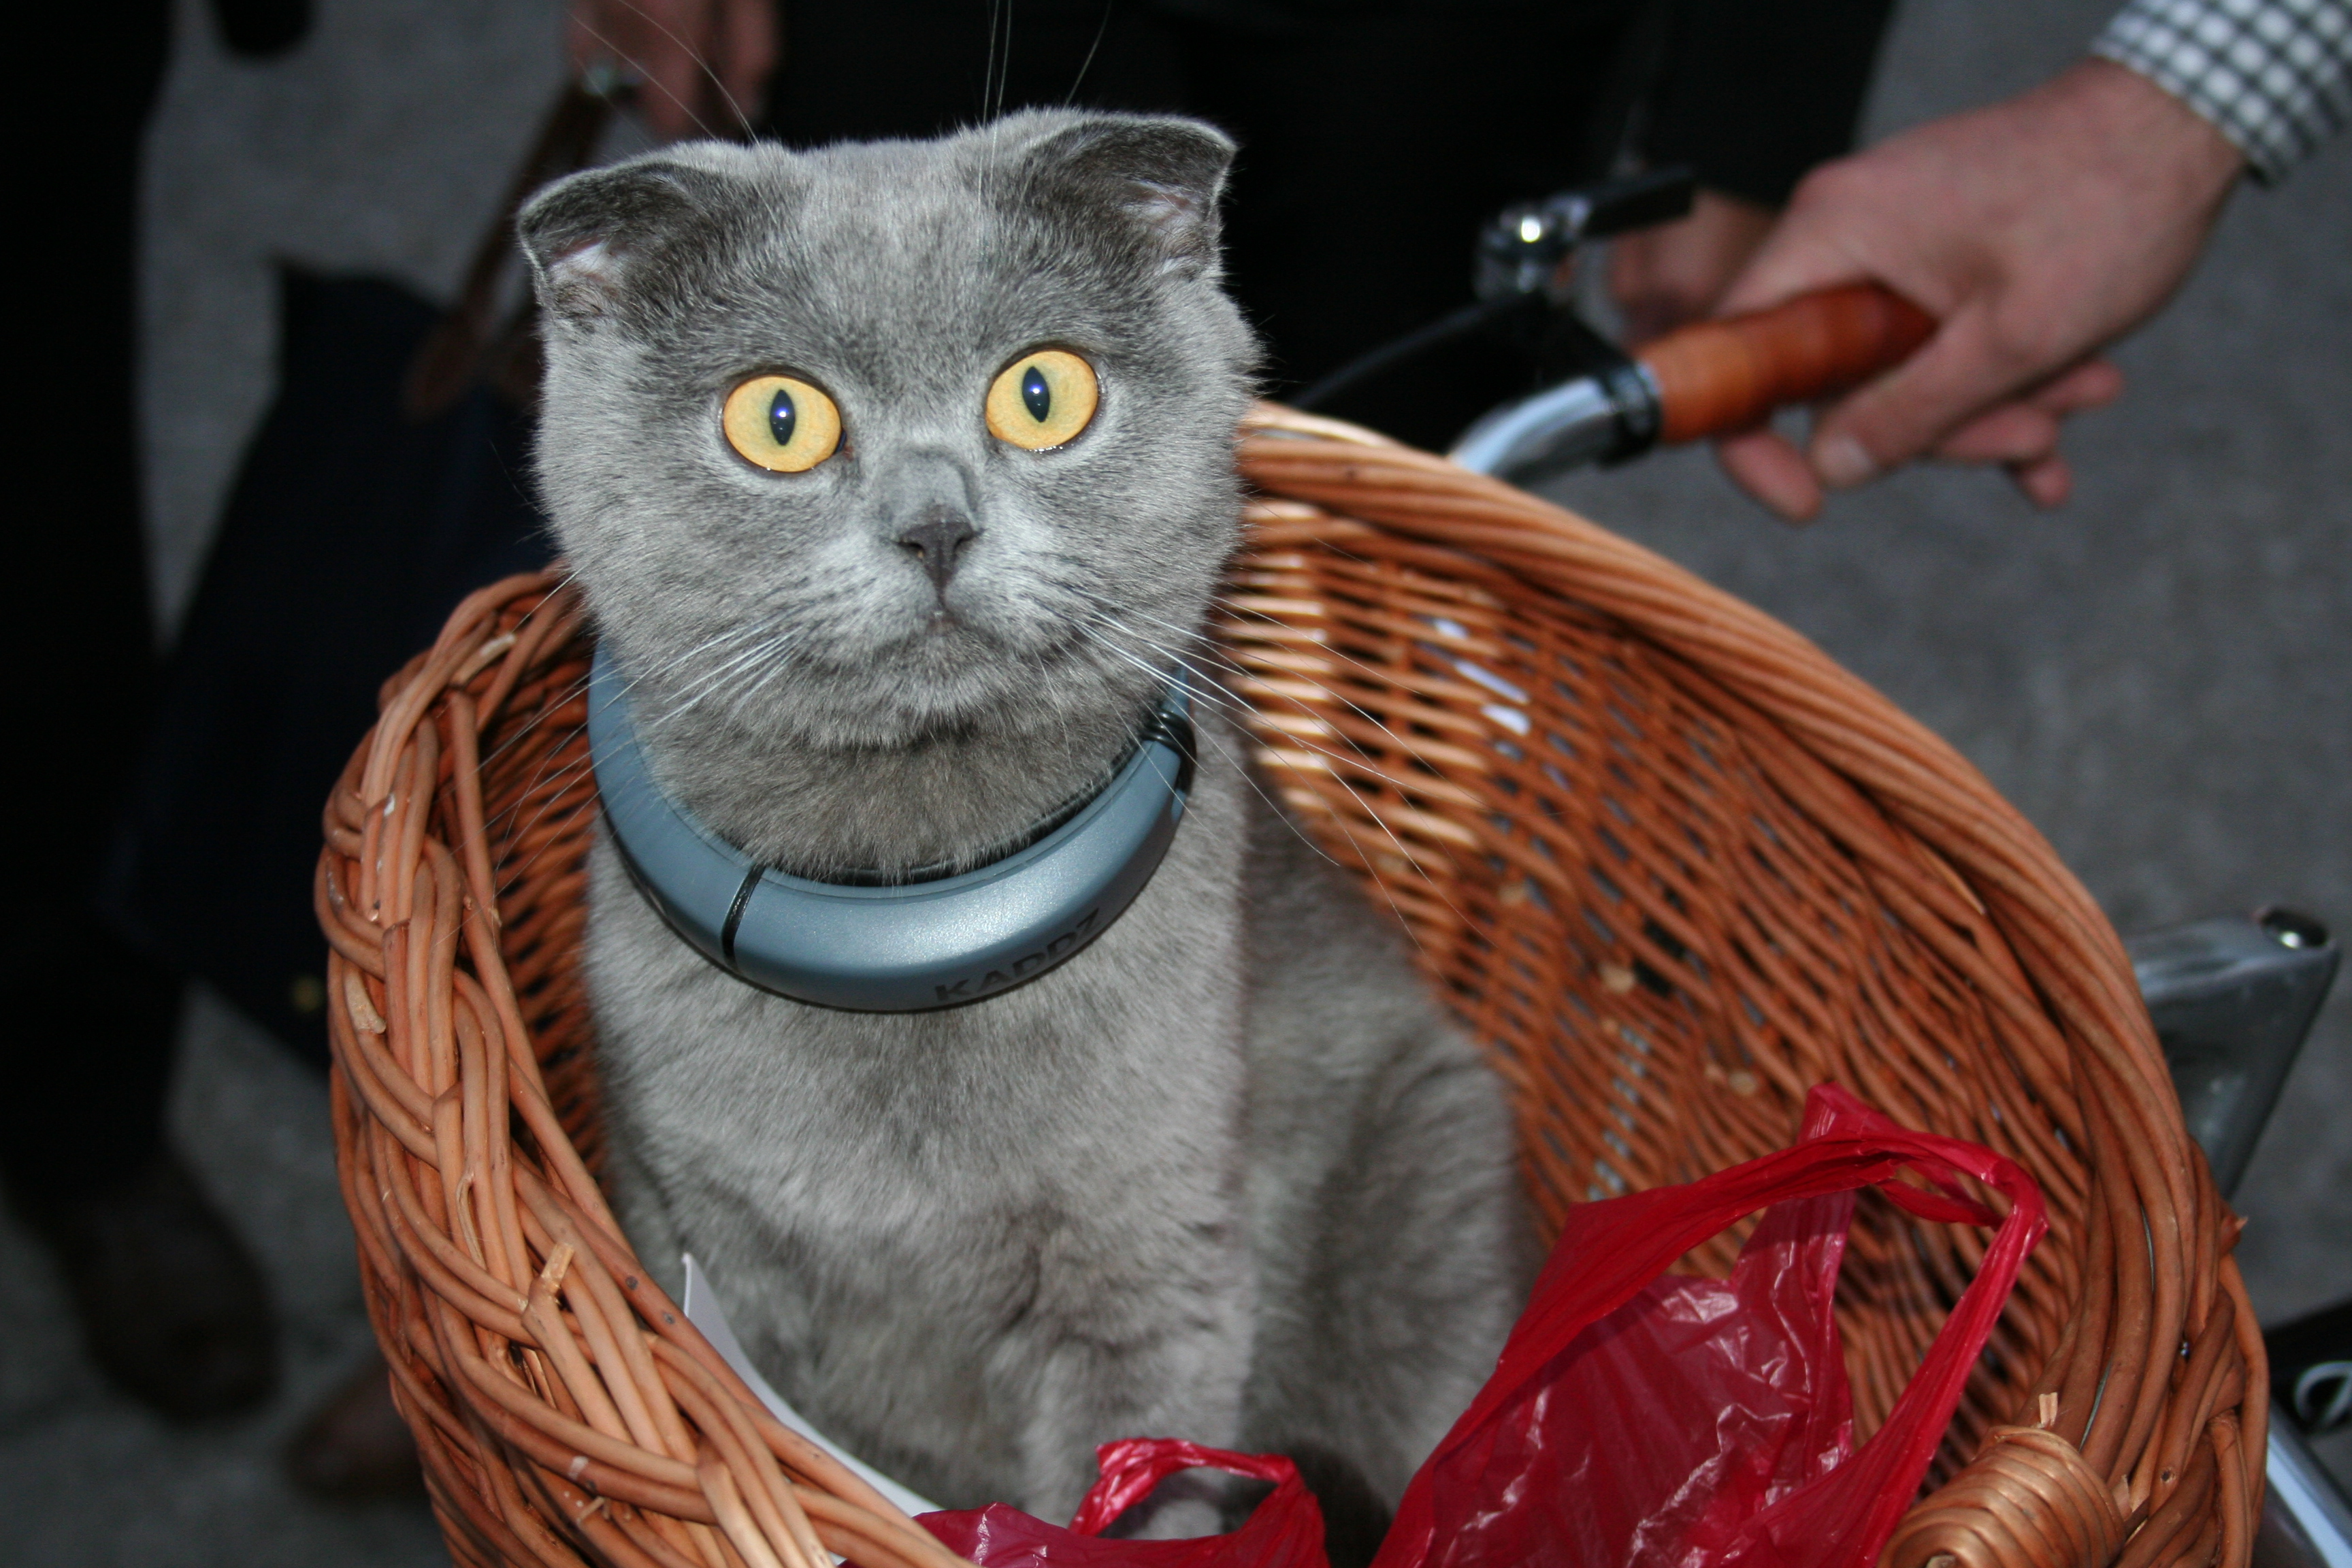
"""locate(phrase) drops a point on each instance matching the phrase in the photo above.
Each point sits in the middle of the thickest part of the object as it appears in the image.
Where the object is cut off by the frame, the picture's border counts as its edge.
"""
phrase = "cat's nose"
(937, 539)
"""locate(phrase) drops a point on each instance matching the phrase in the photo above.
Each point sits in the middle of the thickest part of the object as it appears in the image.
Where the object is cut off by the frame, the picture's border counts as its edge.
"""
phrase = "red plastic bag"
(1284, 1531)
(1704, 1424)
(1635, 1419)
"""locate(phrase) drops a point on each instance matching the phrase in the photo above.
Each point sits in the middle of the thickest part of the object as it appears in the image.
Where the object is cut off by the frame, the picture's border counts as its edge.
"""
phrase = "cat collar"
(909, 946)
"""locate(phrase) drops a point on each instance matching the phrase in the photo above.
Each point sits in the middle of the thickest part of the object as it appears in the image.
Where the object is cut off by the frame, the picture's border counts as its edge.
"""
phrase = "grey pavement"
(2160, 676)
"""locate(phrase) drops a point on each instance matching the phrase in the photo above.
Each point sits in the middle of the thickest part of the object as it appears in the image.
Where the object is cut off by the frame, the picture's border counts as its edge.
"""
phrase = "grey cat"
(1225, 1174)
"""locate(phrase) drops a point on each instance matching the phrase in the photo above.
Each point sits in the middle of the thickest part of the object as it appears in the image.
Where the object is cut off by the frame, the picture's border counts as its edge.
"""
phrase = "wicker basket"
(1669, 863)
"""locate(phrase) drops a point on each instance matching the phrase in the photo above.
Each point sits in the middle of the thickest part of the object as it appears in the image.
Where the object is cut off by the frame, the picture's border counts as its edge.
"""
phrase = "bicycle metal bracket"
(2232, 999)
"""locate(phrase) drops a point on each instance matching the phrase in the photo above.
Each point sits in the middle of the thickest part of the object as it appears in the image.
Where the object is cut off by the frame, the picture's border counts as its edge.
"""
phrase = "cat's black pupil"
(1035, 394)
(781, 417)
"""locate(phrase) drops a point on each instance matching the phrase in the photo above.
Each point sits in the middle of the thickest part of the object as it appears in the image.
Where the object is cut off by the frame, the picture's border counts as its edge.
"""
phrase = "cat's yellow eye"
(781, 422)
(1042, 399)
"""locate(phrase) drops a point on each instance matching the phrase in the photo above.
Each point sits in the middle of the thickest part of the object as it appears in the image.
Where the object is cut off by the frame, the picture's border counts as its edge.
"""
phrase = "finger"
(1767, 467)
(1796, 259)
(2027, 430)
(2047, 481)
(1819, 243)
(1649, 314)
(2094, 383)
(1913, 407)
(1633, 284)
(2015, 433)
(1665, 276)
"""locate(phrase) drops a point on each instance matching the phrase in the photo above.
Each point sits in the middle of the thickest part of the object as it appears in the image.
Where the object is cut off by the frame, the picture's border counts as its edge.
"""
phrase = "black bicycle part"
(2311, 1368)
(1471, 320)
(1515, 278)
(1523, 247)
(2232, 999)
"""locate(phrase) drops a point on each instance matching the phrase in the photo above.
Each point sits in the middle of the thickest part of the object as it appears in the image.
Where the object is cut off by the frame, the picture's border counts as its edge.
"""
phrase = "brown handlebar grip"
(1715, 377)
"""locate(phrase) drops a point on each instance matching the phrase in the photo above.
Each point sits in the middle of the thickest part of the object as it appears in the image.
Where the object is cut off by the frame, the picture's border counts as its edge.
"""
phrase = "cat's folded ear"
(1163, 174)
(584, 235)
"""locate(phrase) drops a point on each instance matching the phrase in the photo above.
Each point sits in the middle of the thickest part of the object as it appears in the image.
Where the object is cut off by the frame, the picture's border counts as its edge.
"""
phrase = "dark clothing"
(1377, 135)
(86, 1046)
(1752, 94)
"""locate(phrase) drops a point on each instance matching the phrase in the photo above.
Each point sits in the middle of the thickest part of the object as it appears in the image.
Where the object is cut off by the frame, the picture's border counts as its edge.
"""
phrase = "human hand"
(2036, 231)
(704, 63)
(1675, 272)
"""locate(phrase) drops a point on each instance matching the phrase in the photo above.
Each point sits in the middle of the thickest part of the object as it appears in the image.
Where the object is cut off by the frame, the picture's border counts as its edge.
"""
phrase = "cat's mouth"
(986, 641)
(948, 667)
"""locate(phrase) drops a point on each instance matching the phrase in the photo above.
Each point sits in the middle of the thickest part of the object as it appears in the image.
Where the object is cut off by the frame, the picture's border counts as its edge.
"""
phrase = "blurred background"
(2159, 674)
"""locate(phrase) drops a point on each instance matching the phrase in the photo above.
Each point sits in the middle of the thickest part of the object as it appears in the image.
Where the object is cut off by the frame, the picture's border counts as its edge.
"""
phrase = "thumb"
(1798, 257)
(1908, 411)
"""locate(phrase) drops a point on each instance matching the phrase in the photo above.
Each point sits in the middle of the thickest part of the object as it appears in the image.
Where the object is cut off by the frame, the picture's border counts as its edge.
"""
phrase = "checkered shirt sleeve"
(2274, 76)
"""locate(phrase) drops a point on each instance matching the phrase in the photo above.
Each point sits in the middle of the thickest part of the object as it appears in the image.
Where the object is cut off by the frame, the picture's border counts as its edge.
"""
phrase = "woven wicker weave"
(1669, 863)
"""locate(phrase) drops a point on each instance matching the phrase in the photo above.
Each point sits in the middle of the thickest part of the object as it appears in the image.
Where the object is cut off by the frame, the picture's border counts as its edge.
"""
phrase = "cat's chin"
(861, 722)
(867, 775)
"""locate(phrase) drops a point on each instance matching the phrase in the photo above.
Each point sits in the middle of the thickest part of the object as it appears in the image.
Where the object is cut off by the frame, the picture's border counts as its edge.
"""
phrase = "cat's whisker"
(580, 685)
(1207, 684)
(523, 829)
(1101, 27)
(1298, 831)
(988, 73)
(1244, 710)
(731, 635)
(701, 65)
(553, 842)
(646, 76)
(553, 702)
(764, 634)
(629, 684)
(716, 680)
(548, 788)
(688, 700)
(1401, 742)
(524, 731)
(1248, 774)
(765, 628)
(778, 662)
(1003, 61)
(1204, 649)
(767, 661)
(1241, 713)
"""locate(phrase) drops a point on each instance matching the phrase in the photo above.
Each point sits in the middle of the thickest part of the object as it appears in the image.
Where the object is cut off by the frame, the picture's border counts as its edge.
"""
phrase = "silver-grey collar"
(908, 946)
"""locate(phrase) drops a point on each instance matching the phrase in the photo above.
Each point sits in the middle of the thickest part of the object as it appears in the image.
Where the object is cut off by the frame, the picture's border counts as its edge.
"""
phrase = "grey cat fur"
(1223, 1175)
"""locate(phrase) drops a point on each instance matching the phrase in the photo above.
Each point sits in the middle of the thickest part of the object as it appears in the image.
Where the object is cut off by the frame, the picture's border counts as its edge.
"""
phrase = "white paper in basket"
(702, 1310)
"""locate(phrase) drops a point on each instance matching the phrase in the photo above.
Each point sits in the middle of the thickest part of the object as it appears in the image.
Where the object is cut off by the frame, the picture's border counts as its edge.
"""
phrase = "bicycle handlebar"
(1717, 377)
(1711, 378)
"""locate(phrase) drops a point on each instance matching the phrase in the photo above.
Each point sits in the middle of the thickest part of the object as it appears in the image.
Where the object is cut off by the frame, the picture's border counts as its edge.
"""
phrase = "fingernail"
(1843, 462)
